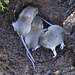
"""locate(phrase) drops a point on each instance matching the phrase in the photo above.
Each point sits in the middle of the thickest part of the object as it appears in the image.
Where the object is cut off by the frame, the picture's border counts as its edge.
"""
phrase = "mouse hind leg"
(54, 52)
(62, 46)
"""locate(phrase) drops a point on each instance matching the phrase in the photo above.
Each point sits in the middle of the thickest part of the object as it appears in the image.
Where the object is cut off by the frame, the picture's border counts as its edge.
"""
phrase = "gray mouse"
(23, 25)
(52, 38)
(33, 36)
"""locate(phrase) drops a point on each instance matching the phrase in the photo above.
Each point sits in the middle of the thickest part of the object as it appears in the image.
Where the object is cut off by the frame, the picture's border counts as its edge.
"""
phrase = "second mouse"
(33, 36)
(52, 38)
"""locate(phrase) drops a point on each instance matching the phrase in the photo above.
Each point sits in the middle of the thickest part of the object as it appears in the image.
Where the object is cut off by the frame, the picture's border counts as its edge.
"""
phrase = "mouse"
(52, 38)
(23, 24)
(33, 36)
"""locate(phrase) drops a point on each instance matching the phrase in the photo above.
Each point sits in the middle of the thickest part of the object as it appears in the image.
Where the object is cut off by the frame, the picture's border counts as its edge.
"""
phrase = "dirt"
(13, 59)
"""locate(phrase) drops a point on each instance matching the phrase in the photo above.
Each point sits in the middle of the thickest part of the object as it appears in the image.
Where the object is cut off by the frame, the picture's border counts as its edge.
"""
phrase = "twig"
(67, 71)
(70, 8)
(4, 49)
(9, 68)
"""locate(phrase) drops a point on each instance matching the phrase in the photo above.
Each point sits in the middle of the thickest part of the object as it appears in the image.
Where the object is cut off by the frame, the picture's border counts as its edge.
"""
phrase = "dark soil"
(13, 59)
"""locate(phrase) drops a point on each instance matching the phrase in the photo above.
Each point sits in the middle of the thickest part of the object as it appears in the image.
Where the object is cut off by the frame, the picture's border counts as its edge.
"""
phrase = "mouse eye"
(32, 24)
(29, 15)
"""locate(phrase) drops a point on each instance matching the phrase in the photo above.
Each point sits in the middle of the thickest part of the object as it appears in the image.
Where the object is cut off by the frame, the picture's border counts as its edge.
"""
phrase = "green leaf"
(6, 1)
(0, 3)
(57, 72)
(2, 7)
(72, 68)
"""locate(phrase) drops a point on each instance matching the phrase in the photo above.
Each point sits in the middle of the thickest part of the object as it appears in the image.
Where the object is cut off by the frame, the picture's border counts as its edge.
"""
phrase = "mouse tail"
(45, 20)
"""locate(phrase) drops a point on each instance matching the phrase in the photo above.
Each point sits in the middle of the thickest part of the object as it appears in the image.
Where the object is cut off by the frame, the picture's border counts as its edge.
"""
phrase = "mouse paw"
(62, 46)
(13, 24)
(46, 29)
(54, 52)
(33, 49)
(54, 56)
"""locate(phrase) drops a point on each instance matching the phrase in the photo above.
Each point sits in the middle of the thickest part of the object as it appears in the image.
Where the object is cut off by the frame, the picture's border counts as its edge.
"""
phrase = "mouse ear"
(45, 43)
(29, 15)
